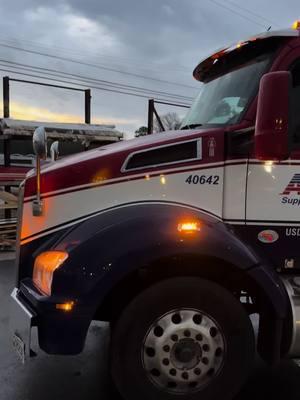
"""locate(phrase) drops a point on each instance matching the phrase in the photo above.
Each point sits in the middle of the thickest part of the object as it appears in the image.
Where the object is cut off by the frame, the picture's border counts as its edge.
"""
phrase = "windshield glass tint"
(223, 100)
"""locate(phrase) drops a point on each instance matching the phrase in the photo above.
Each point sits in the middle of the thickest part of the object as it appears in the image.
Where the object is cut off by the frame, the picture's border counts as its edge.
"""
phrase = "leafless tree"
(170, 121)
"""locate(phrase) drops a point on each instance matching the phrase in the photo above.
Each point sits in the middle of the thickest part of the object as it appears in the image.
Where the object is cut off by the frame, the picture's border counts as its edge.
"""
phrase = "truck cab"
(178, 238)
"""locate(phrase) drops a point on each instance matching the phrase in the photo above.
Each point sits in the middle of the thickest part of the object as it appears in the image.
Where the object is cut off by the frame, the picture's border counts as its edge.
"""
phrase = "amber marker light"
(189, 227)
(44, 266)
(66, 306)
(296, 25)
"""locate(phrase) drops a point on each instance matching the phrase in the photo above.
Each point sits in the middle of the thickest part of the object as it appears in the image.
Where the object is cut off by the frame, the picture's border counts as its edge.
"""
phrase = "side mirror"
(54, 151)
(273, 125)
(39, 141)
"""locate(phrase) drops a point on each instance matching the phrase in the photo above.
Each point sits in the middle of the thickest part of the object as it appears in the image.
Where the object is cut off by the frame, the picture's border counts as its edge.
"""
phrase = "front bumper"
(59, 332)
(22, 319)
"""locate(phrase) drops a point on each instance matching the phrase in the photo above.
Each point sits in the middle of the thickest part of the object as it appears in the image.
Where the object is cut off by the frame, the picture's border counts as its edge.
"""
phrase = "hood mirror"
(39, 141)
(54, 150)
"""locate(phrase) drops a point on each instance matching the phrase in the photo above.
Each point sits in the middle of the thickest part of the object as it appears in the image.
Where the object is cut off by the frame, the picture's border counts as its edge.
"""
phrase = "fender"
(104, 249)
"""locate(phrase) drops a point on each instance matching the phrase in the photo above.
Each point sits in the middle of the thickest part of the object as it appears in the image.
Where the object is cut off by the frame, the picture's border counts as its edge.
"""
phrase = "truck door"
(273, 195)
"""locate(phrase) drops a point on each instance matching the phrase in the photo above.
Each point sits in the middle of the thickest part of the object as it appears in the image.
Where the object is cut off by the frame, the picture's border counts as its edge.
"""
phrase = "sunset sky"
(161, 39)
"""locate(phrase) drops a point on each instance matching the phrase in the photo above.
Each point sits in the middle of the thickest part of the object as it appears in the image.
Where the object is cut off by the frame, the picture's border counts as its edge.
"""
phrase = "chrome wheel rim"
(183, 351)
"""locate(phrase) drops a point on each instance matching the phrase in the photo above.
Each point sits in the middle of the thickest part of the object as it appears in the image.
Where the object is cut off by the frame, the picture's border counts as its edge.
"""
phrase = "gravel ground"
(86, 377)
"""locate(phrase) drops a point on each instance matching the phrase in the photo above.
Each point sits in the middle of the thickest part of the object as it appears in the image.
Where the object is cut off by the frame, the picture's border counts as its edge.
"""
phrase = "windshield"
(223, 100)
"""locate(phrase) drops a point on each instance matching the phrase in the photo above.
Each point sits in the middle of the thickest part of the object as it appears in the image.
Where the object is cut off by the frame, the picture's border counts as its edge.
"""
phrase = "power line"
(82, 85)
(56, 73)
(237, 13)
(252, 12)
(128, 60)
(94, 65)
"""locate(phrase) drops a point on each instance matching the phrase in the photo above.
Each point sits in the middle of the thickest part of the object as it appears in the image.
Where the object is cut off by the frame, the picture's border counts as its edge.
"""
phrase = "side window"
(295, 99)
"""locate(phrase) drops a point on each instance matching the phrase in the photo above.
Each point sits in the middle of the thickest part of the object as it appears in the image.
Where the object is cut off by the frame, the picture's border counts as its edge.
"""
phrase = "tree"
(142, 131)
(170, 121)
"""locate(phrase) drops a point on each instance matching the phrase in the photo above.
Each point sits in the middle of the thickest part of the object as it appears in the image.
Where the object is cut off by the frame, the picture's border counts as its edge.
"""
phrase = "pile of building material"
(13, 167)
(13, 128)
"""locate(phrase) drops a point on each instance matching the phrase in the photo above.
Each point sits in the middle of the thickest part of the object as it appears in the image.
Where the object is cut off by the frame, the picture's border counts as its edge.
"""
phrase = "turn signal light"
(44, 266)
(188, 227)
(66, 306)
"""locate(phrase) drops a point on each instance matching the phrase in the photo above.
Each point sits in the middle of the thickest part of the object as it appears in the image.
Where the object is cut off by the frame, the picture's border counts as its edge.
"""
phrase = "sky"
(147, 44)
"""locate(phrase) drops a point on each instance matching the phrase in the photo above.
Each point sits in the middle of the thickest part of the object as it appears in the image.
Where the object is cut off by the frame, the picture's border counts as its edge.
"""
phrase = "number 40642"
(203, 179)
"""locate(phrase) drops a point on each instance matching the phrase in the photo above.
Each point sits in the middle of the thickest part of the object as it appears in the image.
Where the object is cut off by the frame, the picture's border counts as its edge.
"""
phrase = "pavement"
(86, 376)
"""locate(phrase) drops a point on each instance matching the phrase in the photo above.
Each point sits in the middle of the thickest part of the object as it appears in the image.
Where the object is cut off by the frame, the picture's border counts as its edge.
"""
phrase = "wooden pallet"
(8, 230)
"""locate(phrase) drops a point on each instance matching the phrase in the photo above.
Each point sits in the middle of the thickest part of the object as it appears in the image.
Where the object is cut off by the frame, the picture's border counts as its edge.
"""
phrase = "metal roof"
(64, 131)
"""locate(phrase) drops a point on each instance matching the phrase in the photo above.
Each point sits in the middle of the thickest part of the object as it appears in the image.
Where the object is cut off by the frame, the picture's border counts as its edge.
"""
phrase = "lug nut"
(213, 332)
(158, 331)
(185, 375)
(205, 347)
(150, 352)
(155, 372)
(176, 319)
(174, 338)
(219, 352)
(199, 337)
(197, 319)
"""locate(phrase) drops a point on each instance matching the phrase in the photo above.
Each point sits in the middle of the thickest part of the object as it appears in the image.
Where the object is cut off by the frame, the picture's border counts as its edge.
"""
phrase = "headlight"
(44, 266)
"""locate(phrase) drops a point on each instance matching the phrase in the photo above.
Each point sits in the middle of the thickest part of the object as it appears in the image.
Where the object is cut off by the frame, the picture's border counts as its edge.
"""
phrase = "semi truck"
(176, 239)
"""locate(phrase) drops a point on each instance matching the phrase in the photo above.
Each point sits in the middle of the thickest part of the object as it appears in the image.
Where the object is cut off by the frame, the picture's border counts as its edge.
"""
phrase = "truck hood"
(105, 163)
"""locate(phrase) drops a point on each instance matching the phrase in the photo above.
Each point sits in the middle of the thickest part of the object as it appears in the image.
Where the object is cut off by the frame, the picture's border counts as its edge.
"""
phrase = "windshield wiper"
(191, 126)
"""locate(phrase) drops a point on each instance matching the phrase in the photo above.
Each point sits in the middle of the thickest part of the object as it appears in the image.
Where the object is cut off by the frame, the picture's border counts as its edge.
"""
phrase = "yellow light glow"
(296, 25)
(239, 45)
(102, 175)
(162, 180)
(44, 266)
(268, 166)
(147, 177)
(188, 226)
(66, 306)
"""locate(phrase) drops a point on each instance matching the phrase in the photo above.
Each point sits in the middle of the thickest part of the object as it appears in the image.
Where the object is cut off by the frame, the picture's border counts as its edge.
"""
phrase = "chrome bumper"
(20, 326)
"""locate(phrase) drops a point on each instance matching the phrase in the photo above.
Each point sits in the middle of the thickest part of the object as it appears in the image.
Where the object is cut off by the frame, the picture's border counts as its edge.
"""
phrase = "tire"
(212, 354)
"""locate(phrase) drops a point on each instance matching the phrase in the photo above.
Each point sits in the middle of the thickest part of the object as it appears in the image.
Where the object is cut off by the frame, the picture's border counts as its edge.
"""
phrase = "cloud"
(79, 30)
(168, 10)
(161, 39)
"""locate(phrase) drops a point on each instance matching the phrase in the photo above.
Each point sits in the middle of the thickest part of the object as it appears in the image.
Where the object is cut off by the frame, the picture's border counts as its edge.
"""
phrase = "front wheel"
(183, 336)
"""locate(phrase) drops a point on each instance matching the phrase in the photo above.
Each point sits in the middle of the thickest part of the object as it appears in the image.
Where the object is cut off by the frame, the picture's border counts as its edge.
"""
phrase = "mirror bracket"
(40, 149)
(37, 208)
